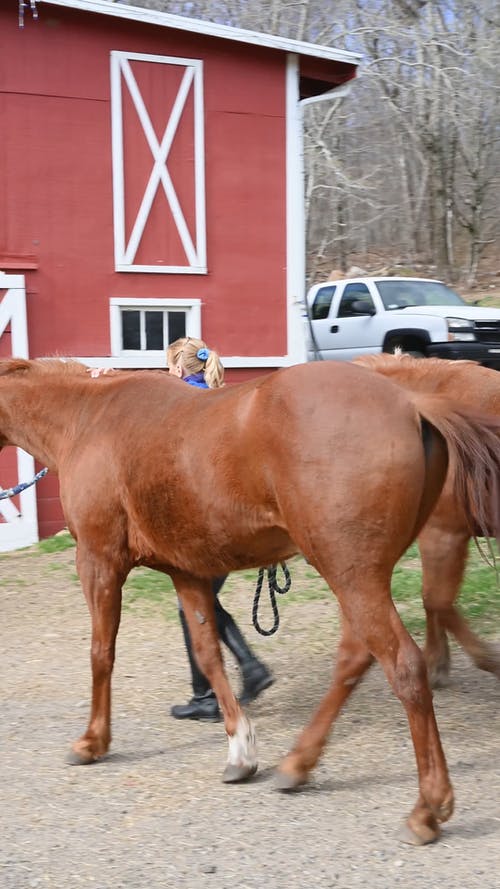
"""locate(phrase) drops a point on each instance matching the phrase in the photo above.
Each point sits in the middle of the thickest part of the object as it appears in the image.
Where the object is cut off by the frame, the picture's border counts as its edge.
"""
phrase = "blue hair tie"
(202, 354)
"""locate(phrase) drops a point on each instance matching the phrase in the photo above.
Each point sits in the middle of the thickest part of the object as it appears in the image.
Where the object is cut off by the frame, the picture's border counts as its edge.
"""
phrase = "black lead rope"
(274, 588)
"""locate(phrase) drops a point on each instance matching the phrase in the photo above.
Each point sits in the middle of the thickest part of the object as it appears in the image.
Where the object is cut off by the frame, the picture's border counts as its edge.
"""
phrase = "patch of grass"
(57, 544)
(487, 300)
(479, 598)
(148, 591)
(56, 568)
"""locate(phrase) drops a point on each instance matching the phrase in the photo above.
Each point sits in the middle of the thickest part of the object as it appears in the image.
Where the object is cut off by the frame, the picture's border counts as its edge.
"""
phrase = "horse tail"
(472, 440)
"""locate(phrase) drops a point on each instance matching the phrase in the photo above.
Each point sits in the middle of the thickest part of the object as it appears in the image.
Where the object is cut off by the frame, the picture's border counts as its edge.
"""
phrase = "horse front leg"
(198, 604)
(102, 586)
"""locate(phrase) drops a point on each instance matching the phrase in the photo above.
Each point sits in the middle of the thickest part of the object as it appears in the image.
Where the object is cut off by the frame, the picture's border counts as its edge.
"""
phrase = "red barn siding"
(8, 474)
(50, 515)
(57, 148)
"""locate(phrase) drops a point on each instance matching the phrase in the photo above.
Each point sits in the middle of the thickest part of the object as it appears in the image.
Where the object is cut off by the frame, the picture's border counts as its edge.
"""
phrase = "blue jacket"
(197, 380)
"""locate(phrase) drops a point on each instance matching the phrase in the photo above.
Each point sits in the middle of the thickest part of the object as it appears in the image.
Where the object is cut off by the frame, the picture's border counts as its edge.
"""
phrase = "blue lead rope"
(11, 492)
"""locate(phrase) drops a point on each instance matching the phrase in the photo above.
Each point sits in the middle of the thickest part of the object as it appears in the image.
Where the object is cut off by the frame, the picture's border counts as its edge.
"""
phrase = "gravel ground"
(154, 813)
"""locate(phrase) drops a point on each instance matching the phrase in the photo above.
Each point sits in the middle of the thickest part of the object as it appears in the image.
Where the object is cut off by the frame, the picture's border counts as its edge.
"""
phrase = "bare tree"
(407, 166)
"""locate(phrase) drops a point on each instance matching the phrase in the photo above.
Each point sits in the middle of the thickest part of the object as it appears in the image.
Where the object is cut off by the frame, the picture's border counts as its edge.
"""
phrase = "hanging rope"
(274, 588)
(11, 492)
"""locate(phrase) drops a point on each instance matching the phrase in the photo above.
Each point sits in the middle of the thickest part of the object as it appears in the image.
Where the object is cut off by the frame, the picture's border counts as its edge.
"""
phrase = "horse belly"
(209, 549)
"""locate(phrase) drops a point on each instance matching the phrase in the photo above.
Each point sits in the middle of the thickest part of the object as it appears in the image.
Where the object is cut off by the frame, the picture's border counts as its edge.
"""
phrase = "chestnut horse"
(197, 484)
(444, 541)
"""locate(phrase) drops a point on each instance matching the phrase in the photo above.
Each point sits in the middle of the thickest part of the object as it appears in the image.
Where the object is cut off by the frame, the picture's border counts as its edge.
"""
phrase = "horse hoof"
(81, 755)
(425, 835)
(76, 759)
(286, 782)
(234, 774)
(242, 758)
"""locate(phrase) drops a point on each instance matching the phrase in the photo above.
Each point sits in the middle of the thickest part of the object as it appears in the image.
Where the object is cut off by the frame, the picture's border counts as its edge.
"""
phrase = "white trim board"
(192, 307)
(194, 247)
(157, 359)
(295, 217)
(20, 528)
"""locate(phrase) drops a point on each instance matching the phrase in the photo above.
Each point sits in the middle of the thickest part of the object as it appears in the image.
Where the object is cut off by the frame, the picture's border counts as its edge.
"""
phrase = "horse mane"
(406, 368)
(45, 366)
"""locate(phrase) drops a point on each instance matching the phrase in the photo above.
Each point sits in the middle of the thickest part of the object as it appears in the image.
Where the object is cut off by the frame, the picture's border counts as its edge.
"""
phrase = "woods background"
(404, 171)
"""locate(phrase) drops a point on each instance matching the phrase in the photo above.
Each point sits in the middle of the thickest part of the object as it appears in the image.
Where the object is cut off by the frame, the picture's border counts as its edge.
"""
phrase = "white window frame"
(125, 252)
(147, 357)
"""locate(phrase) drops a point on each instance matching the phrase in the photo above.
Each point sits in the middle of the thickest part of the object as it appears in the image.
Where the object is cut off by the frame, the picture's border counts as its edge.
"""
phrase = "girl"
(196, 364)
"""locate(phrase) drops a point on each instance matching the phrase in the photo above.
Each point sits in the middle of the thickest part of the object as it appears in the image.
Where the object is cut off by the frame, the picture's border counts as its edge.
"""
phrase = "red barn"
(150, 186)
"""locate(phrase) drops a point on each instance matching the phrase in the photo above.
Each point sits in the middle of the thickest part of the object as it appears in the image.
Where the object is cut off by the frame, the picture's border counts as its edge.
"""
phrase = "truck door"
(351, 333)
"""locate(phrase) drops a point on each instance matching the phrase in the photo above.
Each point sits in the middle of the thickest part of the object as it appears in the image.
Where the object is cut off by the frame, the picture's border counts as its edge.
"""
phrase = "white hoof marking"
(243, 745)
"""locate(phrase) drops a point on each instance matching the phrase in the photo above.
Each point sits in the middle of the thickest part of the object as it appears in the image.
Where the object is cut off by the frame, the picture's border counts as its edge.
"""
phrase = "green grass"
(149, 592)
(56, 544)
(479, 598)
(487, 300)
(146, 590)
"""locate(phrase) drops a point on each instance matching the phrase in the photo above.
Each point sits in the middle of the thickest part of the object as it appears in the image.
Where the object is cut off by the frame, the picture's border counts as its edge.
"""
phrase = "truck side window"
(322, 303)
(352, 293)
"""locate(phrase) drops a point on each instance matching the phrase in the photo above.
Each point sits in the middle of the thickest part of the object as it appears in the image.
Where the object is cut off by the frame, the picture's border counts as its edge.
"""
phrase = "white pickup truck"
(359, 316)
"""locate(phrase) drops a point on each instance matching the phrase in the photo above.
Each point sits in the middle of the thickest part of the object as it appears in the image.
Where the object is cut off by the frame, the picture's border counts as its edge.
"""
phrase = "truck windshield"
(400, 293)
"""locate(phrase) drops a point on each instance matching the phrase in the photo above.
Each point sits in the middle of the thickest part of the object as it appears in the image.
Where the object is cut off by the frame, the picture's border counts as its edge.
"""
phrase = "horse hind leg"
(485, 655)
(444, 558)
(352, 661)
(375, 619)
(443, 554)
(370, 615)
(198, 605)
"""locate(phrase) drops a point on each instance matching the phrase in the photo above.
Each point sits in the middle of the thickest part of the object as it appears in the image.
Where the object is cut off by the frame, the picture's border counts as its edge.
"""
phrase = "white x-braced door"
(18, 516)
(158, 163)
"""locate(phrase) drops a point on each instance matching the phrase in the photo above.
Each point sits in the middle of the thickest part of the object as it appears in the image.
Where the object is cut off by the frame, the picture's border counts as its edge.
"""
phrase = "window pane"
(354, 293)
(154, 330)
(176, 326)
(322, 303)
(357, 290)
(131, 330)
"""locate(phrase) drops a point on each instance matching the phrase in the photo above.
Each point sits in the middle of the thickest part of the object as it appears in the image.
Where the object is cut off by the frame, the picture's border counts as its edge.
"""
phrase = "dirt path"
(155, 814)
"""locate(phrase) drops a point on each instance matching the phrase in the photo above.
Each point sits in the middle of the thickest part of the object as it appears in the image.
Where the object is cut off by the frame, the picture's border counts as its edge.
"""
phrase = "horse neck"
(37, 413)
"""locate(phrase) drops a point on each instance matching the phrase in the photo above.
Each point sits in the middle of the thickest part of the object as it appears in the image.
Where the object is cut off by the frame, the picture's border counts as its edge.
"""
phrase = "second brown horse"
(444, 540)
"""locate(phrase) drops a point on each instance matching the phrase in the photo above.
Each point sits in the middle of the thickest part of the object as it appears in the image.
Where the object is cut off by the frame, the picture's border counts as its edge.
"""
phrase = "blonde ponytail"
(186, 352)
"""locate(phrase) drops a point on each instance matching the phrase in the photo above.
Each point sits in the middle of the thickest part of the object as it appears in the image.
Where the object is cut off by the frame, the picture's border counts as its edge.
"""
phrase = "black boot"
(256, 676)
(203, 705)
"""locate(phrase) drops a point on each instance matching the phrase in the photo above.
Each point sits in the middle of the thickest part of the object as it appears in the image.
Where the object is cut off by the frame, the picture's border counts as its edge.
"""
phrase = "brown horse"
(197, 484)
(444, 541)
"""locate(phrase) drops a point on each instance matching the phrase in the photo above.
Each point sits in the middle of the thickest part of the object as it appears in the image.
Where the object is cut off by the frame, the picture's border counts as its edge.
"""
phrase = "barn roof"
(341, 72)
